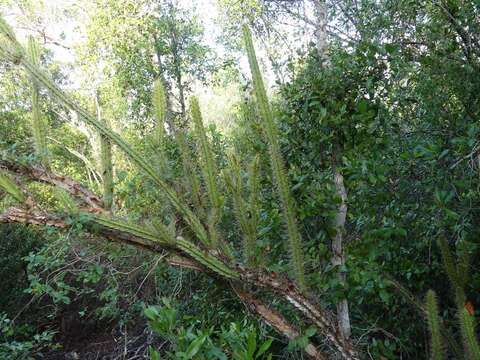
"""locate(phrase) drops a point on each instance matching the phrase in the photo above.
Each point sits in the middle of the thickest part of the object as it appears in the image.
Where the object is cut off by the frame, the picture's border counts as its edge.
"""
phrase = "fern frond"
(436, 345)
(278, 167)
(9, 186)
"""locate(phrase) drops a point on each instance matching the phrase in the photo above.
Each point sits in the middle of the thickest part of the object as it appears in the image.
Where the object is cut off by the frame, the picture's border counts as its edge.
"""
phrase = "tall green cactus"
(191, 178)
(436, 345)
(452, 271)
(208, 170)
(208, 162)
(469, 335)
(457, 272)
(105, 159)
(277, 163)
(38, 124)
(246, 212)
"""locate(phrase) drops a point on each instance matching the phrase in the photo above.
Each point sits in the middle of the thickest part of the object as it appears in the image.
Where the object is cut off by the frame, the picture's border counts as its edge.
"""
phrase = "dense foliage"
(391, 107)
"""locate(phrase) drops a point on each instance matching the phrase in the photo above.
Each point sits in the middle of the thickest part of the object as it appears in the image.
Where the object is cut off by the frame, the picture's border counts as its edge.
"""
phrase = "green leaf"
(251, 344)
(154, 354)
(265, 346)
(195, 346)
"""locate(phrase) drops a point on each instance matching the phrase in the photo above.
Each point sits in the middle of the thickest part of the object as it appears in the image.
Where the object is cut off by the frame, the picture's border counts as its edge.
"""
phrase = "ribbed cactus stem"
(105, 159)
(190, 177)
(65, 201)
(38, 125)
(436, 345)
(469, 335)
(452, 271)
(278, 168)
(246, 212)
(208, 170)
(463, 264)
(253, 209)
(208, 161)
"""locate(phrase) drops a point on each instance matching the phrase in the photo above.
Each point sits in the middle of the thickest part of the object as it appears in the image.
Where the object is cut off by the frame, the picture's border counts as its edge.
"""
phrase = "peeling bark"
(38, 173)
(276, 321)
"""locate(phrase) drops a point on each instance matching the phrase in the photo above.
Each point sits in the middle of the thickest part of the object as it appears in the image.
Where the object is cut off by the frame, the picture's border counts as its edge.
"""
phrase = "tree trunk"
(177, 61)
(321, 16)
(338, 257)
(106, 159)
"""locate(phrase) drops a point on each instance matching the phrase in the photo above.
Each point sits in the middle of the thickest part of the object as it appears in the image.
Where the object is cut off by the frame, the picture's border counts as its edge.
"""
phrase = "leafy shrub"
(237, 341)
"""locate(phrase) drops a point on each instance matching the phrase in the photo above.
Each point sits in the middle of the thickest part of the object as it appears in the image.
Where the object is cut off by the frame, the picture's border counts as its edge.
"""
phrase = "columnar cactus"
(246, 209)
(469, 334)
(436, 345)
(209, 171)
(277, 163)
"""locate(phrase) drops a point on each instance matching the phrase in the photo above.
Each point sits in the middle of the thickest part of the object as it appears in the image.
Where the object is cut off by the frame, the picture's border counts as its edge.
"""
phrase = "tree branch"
(40, 174)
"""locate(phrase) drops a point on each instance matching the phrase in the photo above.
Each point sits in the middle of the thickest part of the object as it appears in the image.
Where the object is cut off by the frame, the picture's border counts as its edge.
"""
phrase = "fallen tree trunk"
(185, 254)
(255, 305)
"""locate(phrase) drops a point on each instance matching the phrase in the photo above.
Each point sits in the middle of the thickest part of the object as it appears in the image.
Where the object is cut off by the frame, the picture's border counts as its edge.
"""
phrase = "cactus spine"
(278, 168)
(436, 347)
(38, 124)
(106, 159)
